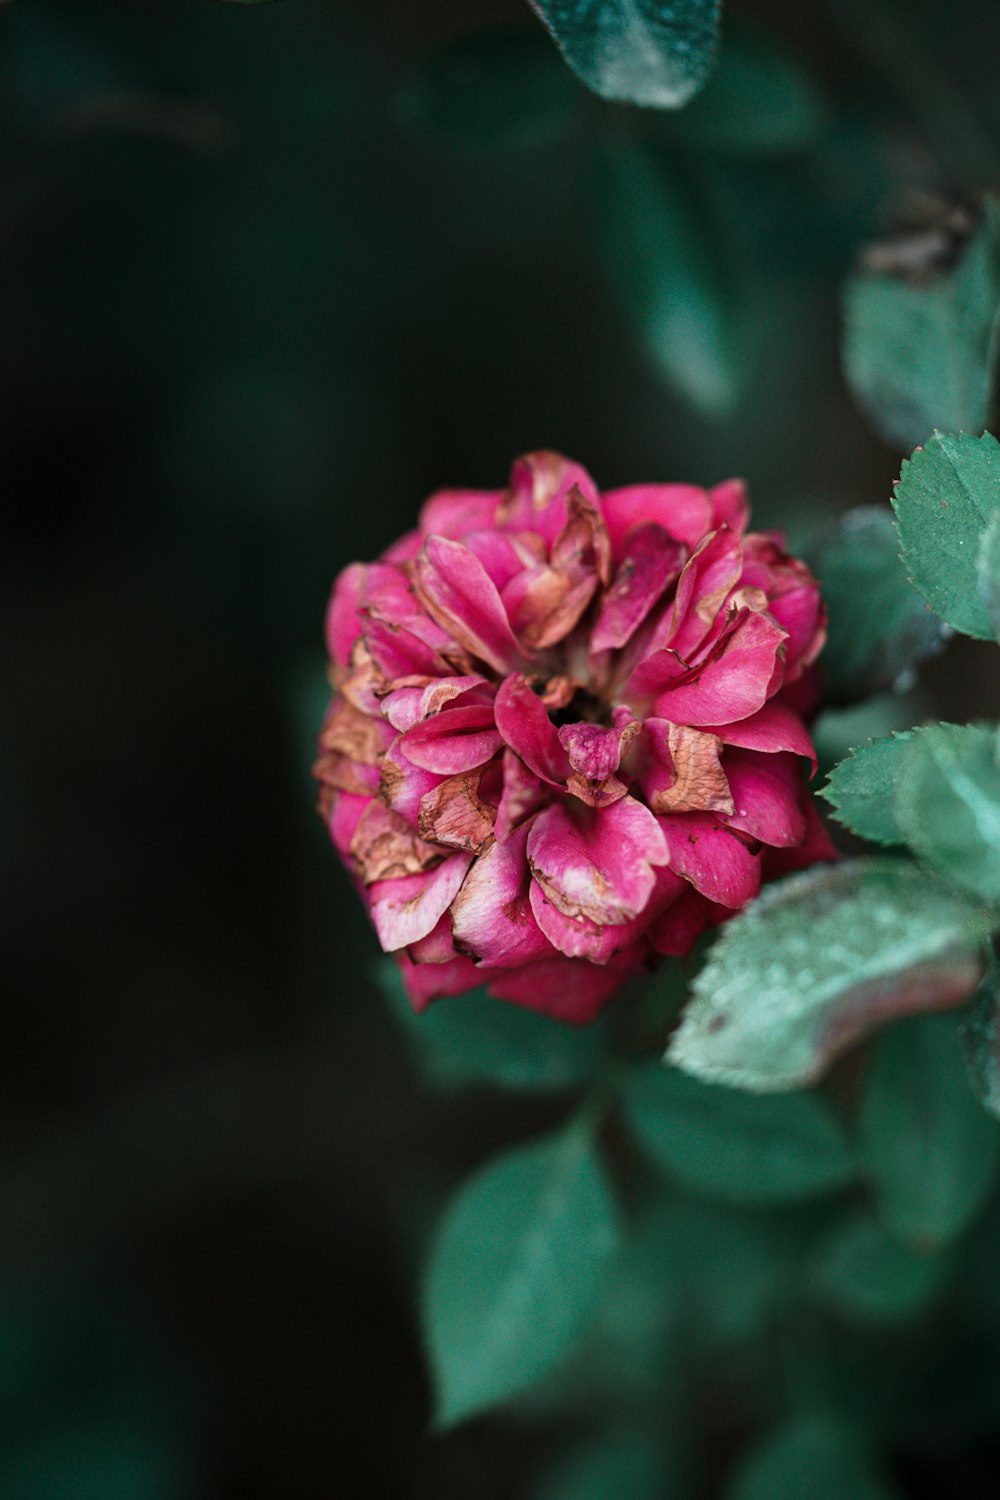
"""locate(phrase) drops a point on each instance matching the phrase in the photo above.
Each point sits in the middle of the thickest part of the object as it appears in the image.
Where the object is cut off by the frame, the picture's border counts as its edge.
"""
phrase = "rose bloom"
(566, 735)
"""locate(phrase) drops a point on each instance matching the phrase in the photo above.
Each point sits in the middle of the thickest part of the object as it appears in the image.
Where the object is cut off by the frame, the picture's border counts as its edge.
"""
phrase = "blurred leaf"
(920, 356)
(868, 1275)
(473, 1038)
(947, 803)
(860, 788)
(741, 1147)
(928, 1149)
(759, 102)
(495, 88)
(654, 52)
(516, 1271)
(945, 497)
(980, 1038)
(988, 571)
(626, 1464)
(880, 628)
(818, 960)
(664, 261)
(811, 1459)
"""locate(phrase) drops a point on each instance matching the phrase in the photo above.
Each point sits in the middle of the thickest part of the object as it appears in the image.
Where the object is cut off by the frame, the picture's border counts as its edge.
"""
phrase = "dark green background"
(256, 305)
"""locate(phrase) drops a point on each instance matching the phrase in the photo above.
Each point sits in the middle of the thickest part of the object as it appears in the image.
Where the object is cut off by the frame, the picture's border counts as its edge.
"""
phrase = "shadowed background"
(269, 276)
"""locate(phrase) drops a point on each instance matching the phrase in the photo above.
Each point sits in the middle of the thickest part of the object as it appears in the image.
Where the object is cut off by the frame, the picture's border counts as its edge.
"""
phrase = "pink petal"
(500, 556)
(454, 740)
(397, 652)
(536, 498)
(730, 505)
(403, 785)
(706, 581)
(767, 792)
(404, 911)
(522, 795)
(772, 728)
(597, 864)
(437, 947)
(457, 590)
(682, 510)
(817, 847)
(651, 561)
(595, 753)
(676, 931)
(385, 847)
(687, 773)
(715, 861)
(568, 989)
(583, 541)
(801, 612)
(526, 727)
(425, 982)
(454, 513)
(408, 706)
(735, 681)
(545, 603)
(343, 625)
(491, 915)
(388, 595)
(346, 812)
(577, 937)
(456, 814)
(405, 550)
(357, 735)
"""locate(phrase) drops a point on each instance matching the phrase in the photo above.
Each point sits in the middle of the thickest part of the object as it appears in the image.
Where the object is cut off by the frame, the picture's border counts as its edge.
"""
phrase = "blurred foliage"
(271, 273)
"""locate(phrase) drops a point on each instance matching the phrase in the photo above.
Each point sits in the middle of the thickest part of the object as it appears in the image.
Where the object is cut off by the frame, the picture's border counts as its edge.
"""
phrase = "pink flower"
(565, 738)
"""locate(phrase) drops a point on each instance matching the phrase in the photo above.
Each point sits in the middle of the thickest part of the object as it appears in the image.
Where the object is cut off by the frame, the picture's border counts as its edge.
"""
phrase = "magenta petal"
(540, 485)
(800, 611)
(772, 728)
(577, 937)
(767, 795)
(498, 554)
(403, 785)
(597, 864)
(343, 625)
(459, 593)
(816, 847)
(522, 795)
(734, 682)
(706, 581)
(425, 982)
(730, 505)
(526, 727)
(491, 916)
(397, 652)
(405, 550)
(406, 910)
(457, 739)
(345, 814)
(715, 861)
(675, 932)
(682, 510)
(565, 988)
(453, 513)
(651, 561)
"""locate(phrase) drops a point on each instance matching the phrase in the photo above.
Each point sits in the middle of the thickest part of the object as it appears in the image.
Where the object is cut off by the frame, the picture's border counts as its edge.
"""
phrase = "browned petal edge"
(700, 783)
(941, 983)
(353, 733)
(385, 847)
(595, 911)
(454, 814)
(340, 773)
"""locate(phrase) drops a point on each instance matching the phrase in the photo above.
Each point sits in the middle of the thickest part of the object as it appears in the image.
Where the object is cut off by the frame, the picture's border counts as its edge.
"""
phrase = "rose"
(566, 731)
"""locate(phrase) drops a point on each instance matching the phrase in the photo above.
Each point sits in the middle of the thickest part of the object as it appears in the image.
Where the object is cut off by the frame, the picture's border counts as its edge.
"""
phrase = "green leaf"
(811, 1459)
(664, 261)
(988, 571)
(980, 1038)
(817, 961)
(627, 1464)
(495, 88)
(947, 803)
(880, 628)
(759, 102)
(516, 1271)
(945, 497)
(654, 52)
(920, 356)
(860, 788)
(927, 1148)
(472, 1038)
(741, 1147)
(868, 1275)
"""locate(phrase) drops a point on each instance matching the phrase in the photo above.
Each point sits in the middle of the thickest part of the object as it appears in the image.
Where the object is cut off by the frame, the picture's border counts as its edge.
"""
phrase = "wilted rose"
(566, 734)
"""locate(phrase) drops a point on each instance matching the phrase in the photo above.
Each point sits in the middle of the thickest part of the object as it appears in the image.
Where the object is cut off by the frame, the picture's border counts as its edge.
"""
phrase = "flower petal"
(651, 561)
(568, 989)
(675, 932)
(715, 861)
(385, 847)
(491, 915)
(736, 680)
(460, 595)
(526, 727)
(425, 982)
(597, 864)
(536, 497)
(687, 775)
(522, 795)
(406, 910)
(454, 740)
(343, 625)
(453, 513)
(683, 511)
(455, 814)
(771, 729)
(730, 505)
(767, 795)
